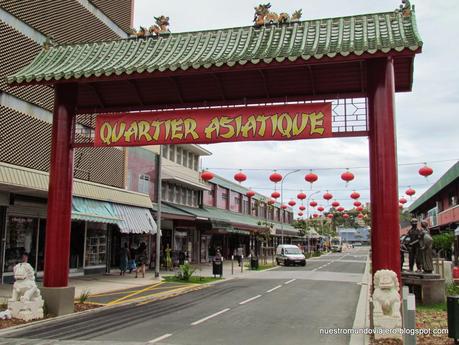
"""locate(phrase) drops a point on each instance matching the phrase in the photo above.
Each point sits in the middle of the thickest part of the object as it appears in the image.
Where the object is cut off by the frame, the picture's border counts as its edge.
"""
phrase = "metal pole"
(158, 212)
(282, 202)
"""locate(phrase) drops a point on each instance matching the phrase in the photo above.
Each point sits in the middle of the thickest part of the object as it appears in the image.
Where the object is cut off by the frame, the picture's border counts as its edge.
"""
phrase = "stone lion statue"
(24, 288)
(26, 302)
(386, 300)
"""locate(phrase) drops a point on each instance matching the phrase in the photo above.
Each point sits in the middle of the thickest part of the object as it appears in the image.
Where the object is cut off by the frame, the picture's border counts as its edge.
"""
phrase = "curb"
(362, 310)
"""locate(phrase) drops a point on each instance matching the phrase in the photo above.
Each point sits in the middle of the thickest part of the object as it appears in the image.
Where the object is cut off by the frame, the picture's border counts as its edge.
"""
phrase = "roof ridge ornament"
(405, 8)
(160, 27)
(49, 43)
(263, 16)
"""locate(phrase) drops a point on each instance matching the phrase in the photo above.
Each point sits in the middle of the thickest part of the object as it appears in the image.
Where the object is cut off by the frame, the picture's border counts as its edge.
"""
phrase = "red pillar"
(57, 246)
(385, 233)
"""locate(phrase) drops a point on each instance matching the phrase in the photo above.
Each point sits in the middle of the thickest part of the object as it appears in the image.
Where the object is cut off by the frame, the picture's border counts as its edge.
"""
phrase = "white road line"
(250, 299)
(274, 288)
(290, 281)
(209, 317)
(159, 338)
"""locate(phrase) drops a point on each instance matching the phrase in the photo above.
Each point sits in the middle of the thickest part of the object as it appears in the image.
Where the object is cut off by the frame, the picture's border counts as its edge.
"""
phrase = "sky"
(427, 118)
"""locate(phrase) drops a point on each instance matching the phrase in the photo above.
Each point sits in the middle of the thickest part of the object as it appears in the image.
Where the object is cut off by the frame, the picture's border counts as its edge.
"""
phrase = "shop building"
(104, 214)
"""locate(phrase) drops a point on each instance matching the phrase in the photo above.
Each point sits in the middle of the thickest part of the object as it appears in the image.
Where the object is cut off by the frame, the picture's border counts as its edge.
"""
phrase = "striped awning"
(135, 220)
(94, 211)
(129, 219)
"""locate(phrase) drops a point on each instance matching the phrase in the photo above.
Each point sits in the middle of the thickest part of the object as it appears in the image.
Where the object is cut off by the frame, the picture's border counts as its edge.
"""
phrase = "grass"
(433, 307)
(261, 266)
(193, 280)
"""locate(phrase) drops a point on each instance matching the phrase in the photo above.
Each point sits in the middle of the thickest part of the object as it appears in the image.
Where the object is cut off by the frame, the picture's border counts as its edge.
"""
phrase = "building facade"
(103, 211)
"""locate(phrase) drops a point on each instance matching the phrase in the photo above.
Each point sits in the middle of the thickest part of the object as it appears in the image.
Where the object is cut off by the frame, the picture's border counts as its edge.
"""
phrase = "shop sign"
(204, 126)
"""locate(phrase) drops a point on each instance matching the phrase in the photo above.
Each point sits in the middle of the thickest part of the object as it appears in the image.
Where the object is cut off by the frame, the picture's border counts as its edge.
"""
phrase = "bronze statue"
(413, 246)
(426, 248)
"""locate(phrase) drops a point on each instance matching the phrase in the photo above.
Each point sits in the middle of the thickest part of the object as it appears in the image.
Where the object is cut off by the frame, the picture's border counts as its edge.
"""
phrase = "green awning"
(94, 211)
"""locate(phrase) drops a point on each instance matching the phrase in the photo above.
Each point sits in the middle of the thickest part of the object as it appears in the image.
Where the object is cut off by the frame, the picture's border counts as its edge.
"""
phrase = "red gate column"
(385, 233)
(57, 246)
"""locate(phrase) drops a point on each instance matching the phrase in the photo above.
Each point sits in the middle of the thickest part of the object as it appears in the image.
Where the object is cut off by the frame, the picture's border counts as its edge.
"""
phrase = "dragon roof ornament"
(160, 27)
(264, 16)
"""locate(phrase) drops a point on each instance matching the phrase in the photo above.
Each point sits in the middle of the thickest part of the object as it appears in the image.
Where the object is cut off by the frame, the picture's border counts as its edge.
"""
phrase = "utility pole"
(282, 202)
(158, 212)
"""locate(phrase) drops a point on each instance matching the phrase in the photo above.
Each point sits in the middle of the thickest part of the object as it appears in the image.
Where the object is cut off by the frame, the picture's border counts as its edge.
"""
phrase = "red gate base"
(59, 300)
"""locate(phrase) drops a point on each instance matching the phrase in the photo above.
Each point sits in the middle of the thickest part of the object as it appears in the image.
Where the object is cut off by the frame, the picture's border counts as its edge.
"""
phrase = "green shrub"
(83, 296)
(452, 289)
(443, 241)
(185, 272)
(317, 253)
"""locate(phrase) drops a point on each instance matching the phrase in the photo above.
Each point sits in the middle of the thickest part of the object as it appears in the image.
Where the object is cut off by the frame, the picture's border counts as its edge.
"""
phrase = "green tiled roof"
(368, 33)
(450, 176)
(217, 214)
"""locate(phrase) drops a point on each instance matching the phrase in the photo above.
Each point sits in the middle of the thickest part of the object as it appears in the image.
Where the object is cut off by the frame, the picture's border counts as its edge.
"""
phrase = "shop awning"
(94, 211)
(129, 219)
(135, 220)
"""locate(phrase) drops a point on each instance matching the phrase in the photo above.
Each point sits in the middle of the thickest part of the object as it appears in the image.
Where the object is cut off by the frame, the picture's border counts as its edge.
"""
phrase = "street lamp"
(282, 202)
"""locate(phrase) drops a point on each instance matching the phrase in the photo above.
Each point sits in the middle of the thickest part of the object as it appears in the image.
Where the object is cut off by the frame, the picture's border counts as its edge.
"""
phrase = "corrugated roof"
(450, 176)
(332, 37)
(217, 214)
(38, 180)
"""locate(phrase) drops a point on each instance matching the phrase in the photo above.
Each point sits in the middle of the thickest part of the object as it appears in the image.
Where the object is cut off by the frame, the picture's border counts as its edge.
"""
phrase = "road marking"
(159, 338)
(250, 299)
(137, 292)
(209, 317)
(290, 281)
(274, 288)
(163, 293)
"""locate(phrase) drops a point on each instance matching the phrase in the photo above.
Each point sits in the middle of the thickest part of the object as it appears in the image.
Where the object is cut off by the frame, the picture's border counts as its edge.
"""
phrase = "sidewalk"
(103, 283)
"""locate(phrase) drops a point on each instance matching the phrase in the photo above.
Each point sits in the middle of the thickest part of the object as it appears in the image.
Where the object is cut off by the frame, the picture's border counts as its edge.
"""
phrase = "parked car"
(287, 254)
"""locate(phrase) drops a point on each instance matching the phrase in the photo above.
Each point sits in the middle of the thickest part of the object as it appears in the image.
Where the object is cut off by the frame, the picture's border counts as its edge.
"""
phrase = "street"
(285, 305)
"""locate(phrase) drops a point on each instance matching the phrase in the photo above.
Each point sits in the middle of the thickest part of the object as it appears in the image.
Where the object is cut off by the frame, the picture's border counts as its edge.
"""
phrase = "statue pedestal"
(26, 311)
(427, 287)
(59, 301)
(384, 323)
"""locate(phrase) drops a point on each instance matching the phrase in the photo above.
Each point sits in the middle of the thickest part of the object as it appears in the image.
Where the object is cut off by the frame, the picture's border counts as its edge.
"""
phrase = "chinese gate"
(355, 63)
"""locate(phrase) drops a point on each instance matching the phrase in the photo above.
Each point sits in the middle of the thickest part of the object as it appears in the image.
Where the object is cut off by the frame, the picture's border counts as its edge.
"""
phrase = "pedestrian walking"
(131, 260)
(239, 255)
(141, 259)
(124, 259)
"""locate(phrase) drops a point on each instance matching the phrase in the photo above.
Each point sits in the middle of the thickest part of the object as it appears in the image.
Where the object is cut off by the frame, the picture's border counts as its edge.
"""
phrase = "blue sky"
(427, 118)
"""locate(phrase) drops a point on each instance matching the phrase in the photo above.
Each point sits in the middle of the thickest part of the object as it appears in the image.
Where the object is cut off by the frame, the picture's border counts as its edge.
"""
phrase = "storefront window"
(21, 237)
(96, 244)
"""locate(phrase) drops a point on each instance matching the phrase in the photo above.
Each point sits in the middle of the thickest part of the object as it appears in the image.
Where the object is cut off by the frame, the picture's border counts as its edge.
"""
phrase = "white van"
(289, 254)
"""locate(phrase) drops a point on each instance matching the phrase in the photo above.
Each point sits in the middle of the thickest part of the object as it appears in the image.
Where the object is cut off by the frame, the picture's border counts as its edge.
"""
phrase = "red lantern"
(355, 195)
(327, 196)
(357, 203)
(300, 214)
(410, 192)
(360, 208)
(345, 216)
(313, 203)
(347, 176)
(335, 204)
(360, 216)
(250, 193)
(302, 208)
(315, 215)
(284, 207)
(207, 175)
(403, 201)
(271, 202)
(330, 215)
(292, 203)
(240, 177)
(275, 177)
(425, 171)
(311, 178)
(275, 195)
(340, 209)
(320, 209)
(301, 196)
